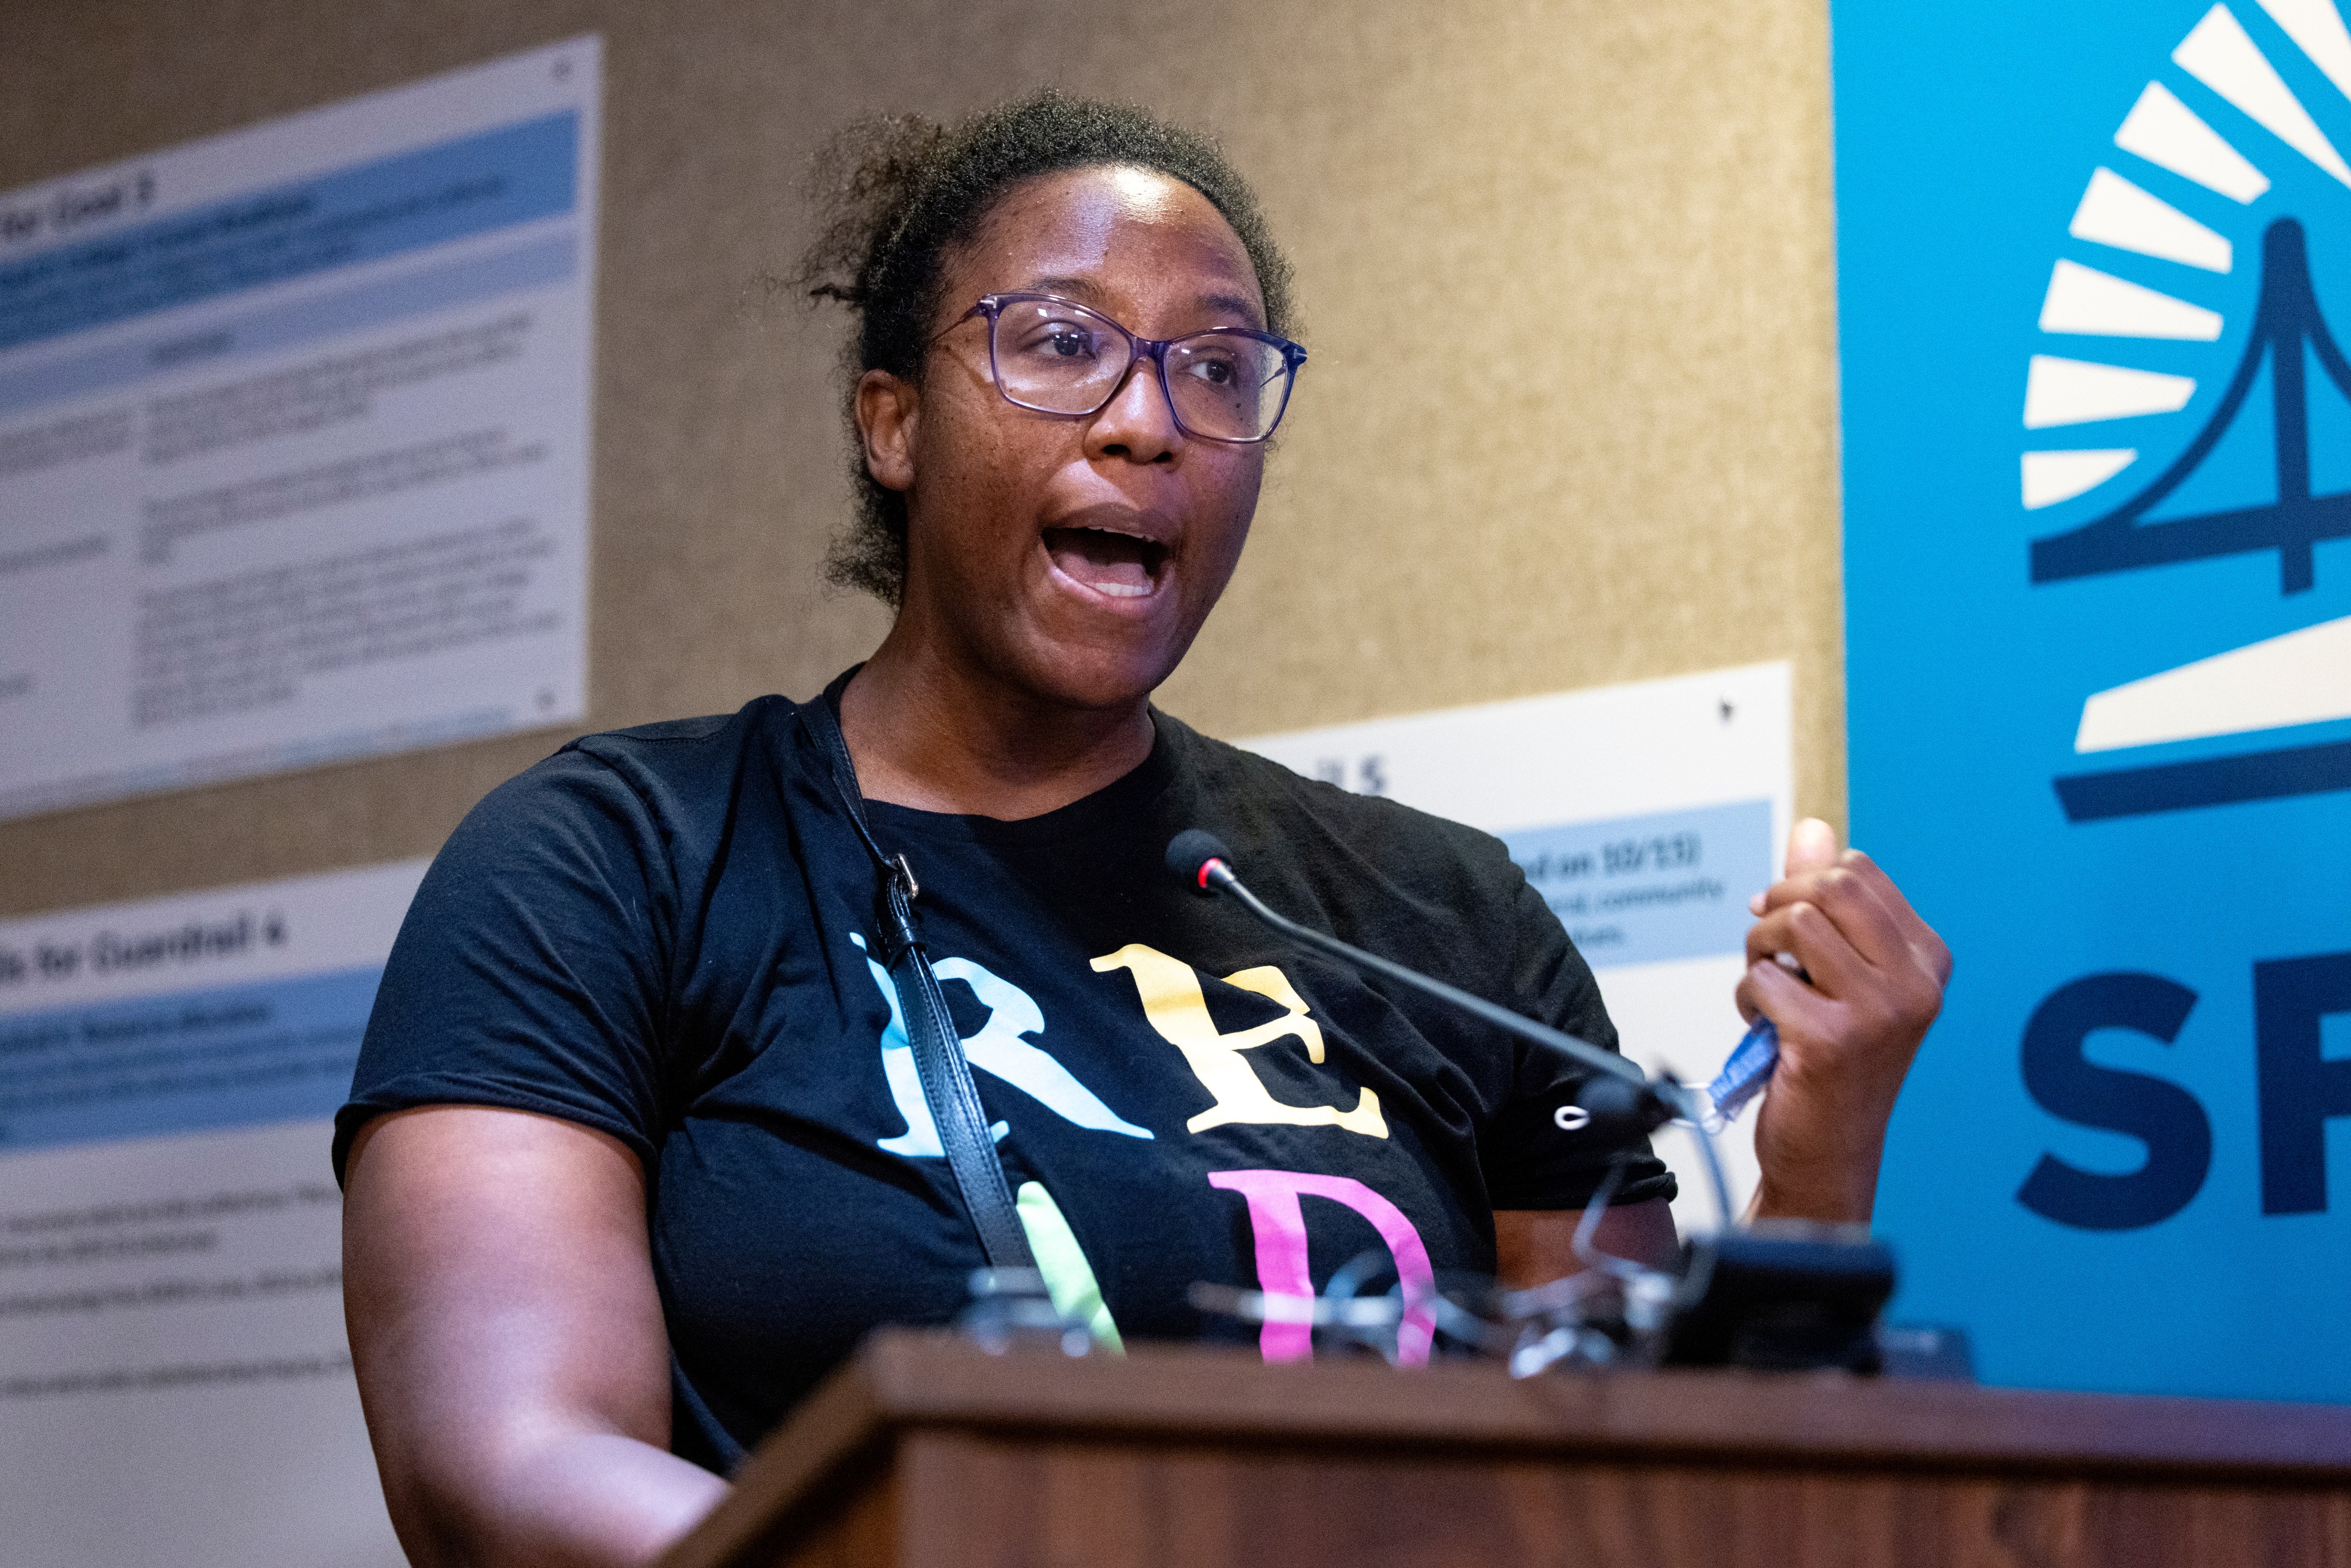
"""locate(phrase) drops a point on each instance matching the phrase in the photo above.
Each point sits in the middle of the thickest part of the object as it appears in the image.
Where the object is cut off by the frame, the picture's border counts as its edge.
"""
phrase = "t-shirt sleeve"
(528, 974)
(1530, 1161)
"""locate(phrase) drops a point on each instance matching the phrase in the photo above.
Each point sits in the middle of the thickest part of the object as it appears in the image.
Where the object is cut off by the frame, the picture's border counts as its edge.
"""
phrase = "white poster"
(294, 438)
(1646, 815)
(175, 1385)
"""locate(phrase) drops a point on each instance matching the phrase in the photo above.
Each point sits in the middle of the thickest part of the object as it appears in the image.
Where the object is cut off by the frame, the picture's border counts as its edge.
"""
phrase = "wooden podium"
(925, 1451)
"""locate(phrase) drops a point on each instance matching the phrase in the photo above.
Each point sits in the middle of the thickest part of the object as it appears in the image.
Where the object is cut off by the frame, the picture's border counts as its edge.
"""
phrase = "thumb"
(1812, 846)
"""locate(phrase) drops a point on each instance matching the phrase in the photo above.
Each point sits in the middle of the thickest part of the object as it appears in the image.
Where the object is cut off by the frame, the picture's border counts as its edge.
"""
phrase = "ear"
(887, 409)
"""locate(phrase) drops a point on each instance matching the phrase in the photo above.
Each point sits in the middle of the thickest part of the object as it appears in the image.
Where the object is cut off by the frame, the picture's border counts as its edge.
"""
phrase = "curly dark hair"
(899, 192)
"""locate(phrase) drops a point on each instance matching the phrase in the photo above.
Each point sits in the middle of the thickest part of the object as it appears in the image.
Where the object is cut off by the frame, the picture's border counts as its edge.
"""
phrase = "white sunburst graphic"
(2300, 678)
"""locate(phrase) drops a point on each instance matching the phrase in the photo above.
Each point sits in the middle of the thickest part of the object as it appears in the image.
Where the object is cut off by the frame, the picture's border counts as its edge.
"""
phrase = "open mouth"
(1121, 566)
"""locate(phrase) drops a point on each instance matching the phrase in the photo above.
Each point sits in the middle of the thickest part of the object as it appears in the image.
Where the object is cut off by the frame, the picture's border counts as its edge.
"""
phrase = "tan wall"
(1565, 268)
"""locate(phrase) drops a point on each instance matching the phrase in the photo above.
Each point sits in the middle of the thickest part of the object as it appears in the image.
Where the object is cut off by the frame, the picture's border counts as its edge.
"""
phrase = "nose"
(1137, 424)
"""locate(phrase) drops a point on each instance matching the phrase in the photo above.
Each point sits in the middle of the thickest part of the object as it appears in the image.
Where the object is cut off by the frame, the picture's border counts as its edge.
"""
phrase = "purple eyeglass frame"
(1139, 349)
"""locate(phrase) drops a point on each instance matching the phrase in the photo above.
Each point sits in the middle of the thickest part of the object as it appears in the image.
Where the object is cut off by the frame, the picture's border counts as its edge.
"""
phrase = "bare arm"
(1538, 1244)
(508, 1342)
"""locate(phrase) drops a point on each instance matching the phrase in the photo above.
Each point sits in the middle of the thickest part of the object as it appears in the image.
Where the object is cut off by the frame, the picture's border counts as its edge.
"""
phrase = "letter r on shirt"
(1172, 1000)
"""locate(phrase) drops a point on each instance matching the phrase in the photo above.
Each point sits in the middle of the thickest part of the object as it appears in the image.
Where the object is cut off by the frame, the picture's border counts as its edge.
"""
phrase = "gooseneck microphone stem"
(1626, 1096)
(1220, 876)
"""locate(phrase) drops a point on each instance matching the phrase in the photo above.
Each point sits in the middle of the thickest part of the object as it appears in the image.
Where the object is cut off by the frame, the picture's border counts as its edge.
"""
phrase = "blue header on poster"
(386, 207)
(1653, 888)
(185, 1061)
(2095, 265)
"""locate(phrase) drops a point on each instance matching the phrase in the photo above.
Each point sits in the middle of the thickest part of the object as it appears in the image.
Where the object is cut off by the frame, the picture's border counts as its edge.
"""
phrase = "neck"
(939, 733)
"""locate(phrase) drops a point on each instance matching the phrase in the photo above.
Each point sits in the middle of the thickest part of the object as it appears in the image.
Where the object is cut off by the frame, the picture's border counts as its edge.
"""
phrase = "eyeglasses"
(1056, 356)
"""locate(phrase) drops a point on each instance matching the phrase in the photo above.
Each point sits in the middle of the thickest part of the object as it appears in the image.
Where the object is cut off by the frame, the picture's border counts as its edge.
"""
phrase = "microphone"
(1796, 1295)
(1615, 1093)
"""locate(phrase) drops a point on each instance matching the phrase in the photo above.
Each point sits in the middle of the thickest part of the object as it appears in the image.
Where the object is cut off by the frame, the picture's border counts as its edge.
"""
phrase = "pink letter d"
(1281, 1268)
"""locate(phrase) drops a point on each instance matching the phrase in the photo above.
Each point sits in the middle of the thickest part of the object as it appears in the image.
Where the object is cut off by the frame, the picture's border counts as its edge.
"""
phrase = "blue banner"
(232, 1056)
(2094, 280)
(384, 208)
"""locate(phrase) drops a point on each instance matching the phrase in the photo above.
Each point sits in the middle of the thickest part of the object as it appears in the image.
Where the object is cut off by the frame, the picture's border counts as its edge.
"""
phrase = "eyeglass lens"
(1060, 358)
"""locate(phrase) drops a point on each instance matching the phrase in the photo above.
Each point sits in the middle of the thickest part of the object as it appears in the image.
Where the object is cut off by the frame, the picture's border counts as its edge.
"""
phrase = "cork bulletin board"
(1565, 270)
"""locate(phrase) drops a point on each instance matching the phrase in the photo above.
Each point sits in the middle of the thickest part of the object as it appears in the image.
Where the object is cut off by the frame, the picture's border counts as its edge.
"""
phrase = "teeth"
(1121, 589)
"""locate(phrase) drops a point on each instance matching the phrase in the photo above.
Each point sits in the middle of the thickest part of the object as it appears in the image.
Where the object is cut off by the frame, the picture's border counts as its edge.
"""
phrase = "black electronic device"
(1782, 1296)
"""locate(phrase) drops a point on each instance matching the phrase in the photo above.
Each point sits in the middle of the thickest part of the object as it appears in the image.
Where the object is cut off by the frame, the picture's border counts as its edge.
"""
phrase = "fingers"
(1918, 932)
(1852, 898)
(1798, 1011)
(1900, 991)
(1869, 874)
(1861, 866)
(1852, 1020)
(1914, 932)
(1822, 947)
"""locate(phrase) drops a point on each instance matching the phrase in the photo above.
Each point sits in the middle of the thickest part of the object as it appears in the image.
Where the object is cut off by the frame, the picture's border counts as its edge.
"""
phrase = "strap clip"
(900, 934)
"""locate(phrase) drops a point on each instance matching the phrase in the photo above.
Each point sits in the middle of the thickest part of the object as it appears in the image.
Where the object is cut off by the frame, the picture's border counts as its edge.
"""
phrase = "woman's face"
(1072, 557)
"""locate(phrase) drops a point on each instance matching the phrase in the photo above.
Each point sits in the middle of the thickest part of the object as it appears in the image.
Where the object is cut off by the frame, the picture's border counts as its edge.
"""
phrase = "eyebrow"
(1087, 293)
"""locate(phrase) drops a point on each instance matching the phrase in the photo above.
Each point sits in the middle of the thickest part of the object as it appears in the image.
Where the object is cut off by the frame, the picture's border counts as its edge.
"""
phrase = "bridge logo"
(2260, 463)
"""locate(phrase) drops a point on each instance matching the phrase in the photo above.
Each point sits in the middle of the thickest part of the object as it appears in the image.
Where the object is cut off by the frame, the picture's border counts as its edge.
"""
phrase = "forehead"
(1127, 239)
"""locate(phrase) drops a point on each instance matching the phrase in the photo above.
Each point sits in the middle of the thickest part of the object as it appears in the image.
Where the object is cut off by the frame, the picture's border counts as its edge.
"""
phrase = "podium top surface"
(903, 1382)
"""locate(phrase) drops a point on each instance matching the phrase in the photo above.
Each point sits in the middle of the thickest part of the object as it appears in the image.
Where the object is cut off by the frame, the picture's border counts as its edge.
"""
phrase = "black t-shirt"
(668, 934)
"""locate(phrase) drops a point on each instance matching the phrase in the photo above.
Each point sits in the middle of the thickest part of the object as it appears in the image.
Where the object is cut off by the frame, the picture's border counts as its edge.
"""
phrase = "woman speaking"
(640, 1143)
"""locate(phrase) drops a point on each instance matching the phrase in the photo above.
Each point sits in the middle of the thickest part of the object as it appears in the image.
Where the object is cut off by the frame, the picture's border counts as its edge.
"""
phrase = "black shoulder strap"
(938, 1053)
